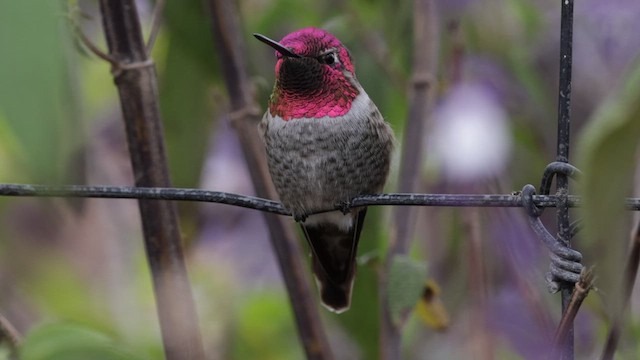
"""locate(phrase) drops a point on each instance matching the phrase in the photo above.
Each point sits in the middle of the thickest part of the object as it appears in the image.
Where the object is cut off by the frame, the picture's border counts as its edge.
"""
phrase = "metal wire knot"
(565, 262)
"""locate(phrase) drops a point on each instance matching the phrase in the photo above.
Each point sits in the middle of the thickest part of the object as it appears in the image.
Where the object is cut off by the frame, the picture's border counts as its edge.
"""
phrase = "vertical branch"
(245, 117)
(135, 77)
(630, 274)
(564, 122)
(425, 44)
(580, 292)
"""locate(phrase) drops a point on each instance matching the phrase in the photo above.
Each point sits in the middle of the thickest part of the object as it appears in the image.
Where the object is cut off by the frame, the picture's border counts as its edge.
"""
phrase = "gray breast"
(317, 164)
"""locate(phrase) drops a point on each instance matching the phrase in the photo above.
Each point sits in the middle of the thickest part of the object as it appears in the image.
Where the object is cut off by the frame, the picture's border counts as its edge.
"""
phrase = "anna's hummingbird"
(326, 143)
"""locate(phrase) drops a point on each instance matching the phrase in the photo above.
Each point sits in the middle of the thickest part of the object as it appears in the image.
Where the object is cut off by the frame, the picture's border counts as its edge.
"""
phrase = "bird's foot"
(300, 217)
(345, 207)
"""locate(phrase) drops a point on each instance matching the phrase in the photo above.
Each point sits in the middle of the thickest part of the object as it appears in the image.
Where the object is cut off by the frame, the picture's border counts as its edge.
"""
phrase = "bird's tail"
(334, 249)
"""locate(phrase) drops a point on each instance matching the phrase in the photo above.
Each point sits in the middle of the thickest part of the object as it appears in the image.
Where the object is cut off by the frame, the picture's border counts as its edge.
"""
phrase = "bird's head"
(314, 76)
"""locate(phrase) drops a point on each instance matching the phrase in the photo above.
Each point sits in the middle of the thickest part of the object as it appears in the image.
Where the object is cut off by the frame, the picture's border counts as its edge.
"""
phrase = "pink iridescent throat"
(333, 99)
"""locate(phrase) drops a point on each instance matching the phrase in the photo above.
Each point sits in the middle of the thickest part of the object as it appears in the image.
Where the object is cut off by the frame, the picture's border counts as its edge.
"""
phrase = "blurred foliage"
(189, 70)
(36, 93)
(67, 296)
(260, 324)
(74, 279)
(406, 279)
(63, 341)
(608, 146)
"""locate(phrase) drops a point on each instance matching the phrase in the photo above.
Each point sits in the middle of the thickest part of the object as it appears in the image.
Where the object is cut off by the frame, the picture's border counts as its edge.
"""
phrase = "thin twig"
(229, 39)
(136, 80)
(580, 292)
(90, 45)
(10, 335)
(155, 25)
(425, 45)
(630, 274)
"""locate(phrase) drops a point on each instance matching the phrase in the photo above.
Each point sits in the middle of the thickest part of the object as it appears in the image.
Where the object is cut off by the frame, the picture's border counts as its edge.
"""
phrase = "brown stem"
(630, 273)
(10, 335)
(580, 292)
(457, 55)
(425, 44)
(155, 25)
(136, 80)
(245, 116)
(90, 45)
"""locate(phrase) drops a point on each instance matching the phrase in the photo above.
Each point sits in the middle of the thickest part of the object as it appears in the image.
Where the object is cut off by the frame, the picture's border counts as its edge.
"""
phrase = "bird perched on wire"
(326, 143)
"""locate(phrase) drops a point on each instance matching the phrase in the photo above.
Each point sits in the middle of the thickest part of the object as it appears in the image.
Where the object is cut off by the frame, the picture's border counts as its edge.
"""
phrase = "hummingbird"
(326, 143)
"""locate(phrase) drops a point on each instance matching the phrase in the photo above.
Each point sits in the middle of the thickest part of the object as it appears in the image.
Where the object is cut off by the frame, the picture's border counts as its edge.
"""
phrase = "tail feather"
(334, 250)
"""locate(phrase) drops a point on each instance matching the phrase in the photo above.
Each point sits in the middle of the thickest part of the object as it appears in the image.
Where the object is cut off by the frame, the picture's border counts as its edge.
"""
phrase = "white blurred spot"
(471, 137)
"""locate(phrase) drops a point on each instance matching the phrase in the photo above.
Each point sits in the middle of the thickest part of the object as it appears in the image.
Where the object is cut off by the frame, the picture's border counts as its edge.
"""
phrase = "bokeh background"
(73, 270)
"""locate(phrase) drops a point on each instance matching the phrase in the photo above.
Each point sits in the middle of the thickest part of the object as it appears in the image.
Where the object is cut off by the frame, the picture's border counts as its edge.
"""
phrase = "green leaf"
(11, 153)
(607, 152)
(406, 280)
(186, 79)
(35, 90)
(186, 114)
(63, 341)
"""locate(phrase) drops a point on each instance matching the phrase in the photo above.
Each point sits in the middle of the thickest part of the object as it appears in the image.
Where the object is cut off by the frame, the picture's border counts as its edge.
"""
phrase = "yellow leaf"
(430, 307)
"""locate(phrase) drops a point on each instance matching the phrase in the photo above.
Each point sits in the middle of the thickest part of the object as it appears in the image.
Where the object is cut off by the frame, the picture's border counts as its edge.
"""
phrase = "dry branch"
(580, 292)
(630, 274)
(425, 40)
(245, 116)
(135, 77)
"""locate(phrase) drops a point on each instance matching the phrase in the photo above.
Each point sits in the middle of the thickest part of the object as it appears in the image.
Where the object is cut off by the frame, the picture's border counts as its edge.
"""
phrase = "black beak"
(276, 45)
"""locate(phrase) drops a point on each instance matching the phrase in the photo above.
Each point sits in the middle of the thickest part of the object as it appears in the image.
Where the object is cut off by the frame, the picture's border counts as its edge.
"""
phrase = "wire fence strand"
(251, 202)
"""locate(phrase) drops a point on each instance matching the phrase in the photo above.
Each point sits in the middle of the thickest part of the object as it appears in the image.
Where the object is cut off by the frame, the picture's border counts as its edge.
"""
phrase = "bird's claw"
(345, 207)
(300, 217)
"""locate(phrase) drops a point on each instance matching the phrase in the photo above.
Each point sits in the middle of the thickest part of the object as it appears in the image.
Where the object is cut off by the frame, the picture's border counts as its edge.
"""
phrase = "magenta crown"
(337, 91)
(312, 41)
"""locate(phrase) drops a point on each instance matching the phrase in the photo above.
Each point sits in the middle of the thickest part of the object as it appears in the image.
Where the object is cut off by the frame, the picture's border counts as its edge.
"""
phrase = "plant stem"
(630, 274)
(10, 335)
(135, 78)
(580, 292)
(245, 116)
(425, 44)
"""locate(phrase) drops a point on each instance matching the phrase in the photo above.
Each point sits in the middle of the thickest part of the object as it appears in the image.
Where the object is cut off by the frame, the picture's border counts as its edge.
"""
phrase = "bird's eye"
(328, 59)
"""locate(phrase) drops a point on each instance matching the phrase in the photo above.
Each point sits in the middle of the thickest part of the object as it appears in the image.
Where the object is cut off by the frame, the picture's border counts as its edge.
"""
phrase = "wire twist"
(565, 262)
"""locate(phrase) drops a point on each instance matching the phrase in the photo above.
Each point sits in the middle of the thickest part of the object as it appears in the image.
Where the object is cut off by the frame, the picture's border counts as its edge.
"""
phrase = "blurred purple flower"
(606, 43)
(610, 28)
(470, 138)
